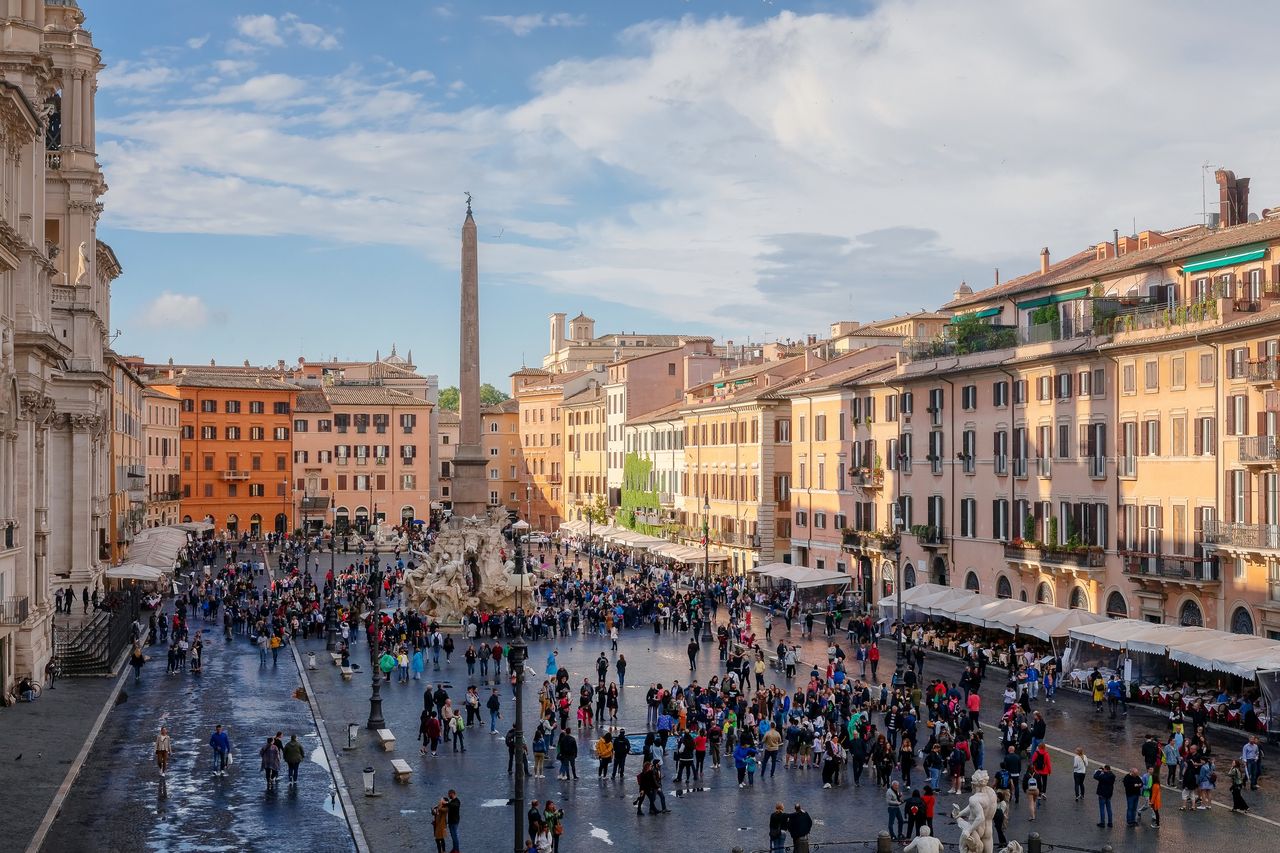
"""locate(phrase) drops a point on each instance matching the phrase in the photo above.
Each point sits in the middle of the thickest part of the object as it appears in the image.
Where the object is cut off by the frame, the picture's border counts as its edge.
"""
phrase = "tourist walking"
(220, 743)
(163, 748)
(270, 754)
(293, 756)
(1105, 790)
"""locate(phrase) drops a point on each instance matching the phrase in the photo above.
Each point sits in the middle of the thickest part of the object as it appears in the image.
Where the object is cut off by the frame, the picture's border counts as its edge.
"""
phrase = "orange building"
(236, 450)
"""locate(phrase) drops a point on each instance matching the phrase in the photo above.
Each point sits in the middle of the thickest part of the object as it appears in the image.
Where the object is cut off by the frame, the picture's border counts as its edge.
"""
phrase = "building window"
(968, 517)
(256, 490)
(1189, 615)
(1152, 376)
(232, 407)
(971, 581)
(209, 407)
(209, 433)
(299, 425)
(1117, 608)
(256, 407)
(281, 408)
(1241, 621)
(280, 433)
(1207, 372)
(324, 425)
(969, 398)
(1129, 379)
(233, 433)
(257, 433)
(1000, 394)
(1004, 589)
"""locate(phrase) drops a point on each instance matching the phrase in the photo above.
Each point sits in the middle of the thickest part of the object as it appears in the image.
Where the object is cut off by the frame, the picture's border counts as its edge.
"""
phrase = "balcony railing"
(1170, 567)
(929, 534)
(1126, 466)
(235, 475)
(1259, 448)
(870, 539)
(971, 337)
(867, 478)
(1044, 466)
(1236, 535)
(1019, 466)
(1083, 558)
(13, 611)
(1264, 370)
(1097, 467)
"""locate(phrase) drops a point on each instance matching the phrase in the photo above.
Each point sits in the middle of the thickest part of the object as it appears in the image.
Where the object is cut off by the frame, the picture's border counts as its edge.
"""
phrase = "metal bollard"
(1106, 848)
(1033, 843)
(884, 842)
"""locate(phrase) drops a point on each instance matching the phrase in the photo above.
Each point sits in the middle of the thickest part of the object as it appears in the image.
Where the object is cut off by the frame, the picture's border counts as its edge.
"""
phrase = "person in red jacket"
(1041, 767)
(873, 655)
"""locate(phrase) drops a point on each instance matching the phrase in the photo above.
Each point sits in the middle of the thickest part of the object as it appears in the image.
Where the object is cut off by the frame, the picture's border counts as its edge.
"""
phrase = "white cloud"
(175, 310)
(522, 25)
(798, 168)
(443, 11)
(272, 31)
(264, 29)
(133, 75)
(197, 42)
(234, 67)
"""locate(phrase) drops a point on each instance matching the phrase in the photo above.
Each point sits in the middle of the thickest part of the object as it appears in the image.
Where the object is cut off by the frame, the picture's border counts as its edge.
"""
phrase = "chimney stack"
(1044, 260)
(1233, 198)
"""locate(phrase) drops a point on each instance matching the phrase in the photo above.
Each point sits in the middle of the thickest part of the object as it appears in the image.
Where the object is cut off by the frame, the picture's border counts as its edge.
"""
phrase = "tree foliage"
(489, 396)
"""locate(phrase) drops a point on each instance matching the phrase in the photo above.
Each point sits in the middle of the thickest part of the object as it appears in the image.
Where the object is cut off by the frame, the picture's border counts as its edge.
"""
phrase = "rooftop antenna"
(1204, 192)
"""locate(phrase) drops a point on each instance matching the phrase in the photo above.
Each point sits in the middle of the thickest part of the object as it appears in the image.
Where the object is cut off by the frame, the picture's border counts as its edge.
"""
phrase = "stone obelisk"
(470, 492)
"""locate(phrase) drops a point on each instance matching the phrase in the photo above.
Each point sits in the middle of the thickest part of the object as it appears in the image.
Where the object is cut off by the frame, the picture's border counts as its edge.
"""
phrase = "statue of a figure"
(464, 570)
(977, 818)
(924, 843)
(82, 264)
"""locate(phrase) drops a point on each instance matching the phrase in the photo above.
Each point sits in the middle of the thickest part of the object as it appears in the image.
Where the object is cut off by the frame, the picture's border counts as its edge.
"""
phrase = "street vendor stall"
(806, 588)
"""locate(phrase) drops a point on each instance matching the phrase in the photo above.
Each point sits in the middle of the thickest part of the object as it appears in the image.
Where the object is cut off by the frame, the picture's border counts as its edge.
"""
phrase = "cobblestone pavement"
(38, 743)
(722, 816)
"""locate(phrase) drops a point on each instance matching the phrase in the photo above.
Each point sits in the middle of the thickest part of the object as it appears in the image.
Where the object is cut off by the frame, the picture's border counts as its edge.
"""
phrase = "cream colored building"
(162, 430)
(575, 346)
(55, 389)
(585, 450)
(128, 457)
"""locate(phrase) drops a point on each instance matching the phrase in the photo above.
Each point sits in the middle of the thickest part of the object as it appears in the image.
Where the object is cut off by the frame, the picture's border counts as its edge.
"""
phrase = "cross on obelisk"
(470, 495)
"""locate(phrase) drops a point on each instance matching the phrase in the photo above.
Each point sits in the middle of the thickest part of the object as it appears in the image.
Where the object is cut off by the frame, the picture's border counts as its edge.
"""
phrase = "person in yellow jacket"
(1099, 692)
(604, 752)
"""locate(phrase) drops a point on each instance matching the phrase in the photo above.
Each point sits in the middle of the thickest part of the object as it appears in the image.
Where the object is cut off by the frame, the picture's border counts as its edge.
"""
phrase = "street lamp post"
(516, 654)
(375, 650)
(706, 562)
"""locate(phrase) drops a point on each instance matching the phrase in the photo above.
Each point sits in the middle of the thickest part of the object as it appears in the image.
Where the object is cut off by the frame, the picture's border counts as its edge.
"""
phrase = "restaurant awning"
(1054, 299)
(978, 315)
(1226, 258)
(135, 572)
(803, 577)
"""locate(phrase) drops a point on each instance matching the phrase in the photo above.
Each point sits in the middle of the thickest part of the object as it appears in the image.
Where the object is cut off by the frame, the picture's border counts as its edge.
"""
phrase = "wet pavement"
(119, 802)
(600, 816)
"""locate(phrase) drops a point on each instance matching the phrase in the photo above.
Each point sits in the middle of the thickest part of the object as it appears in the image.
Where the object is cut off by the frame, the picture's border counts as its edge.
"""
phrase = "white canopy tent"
(1224, 654)
(988, 610)
(801, 576)
(158, 547)
(135, 572)
(1055, 625)
(573, 528)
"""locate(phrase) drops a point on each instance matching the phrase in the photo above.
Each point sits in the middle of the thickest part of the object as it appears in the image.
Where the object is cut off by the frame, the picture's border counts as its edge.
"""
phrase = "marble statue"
(465, 571)
(1011, 847)
(82, 264)
(924, 843)
(977, 818)
(385, 537)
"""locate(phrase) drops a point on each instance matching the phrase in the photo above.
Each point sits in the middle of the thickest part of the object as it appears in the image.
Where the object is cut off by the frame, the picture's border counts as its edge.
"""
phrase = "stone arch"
(938, 570)
(1079, 599)
(908, 576)
(1004, 589)
(1117, 607)
(1190, 614)
(1044, 593)
(971, 581)
(1242, 621)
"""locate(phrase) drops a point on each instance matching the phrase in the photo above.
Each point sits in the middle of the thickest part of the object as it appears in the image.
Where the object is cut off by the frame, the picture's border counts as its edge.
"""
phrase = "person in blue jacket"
(220, 742)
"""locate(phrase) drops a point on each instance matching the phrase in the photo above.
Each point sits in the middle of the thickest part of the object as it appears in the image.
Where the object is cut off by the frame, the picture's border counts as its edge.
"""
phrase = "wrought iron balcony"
(1172, 567)
(1247, 536)
(1052, 555)
(867, 478)
(1259, 449)
(1264, 370)
(13, 611)
(929, 535)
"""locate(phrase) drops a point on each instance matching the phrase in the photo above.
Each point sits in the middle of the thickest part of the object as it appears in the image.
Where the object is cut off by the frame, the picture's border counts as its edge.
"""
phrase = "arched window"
(1241, 621)
(1044, 593)
(1079, 599)
(1117, 608)
(886, 578)
(1190, 616)
(1022, 594)
(908, 576)
(1004, 589)
(971, 581)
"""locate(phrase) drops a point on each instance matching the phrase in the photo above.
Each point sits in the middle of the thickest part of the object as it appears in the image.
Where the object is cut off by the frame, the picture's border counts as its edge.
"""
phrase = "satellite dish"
(1253, 217)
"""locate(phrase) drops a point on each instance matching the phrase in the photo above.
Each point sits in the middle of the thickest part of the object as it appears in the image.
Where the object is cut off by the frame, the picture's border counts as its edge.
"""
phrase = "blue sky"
(287, 178)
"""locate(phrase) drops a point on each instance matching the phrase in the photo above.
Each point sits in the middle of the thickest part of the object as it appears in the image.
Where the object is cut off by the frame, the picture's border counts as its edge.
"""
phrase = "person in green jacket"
(293, 756)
